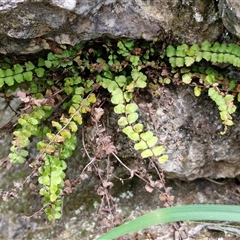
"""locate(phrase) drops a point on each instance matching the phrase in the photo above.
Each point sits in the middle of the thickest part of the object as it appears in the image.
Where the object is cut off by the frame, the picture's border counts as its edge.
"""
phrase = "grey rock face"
(189, 128)
(229, 11)
(25, 25)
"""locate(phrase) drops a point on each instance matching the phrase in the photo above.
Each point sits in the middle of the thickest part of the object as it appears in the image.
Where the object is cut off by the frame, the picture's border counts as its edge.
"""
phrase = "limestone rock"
(229, 11)
(26, 25)
(189, 129)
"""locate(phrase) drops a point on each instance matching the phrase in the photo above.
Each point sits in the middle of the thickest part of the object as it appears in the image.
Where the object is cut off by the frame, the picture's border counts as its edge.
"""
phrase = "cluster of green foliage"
(184, 61)
(59, 89)
(54, 106)
(58, 138)
(221, 90)
(122, 88)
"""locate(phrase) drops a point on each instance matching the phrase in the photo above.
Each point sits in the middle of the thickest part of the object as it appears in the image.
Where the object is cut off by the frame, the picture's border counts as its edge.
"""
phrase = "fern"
(54, 107)
(186, 58)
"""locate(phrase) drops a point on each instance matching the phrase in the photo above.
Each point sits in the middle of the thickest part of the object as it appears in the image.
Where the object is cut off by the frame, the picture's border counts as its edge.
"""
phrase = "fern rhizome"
(70, 81)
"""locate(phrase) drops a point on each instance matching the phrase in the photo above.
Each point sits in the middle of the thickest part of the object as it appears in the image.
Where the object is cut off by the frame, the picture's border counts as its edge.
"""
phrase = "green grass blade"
(198, 212)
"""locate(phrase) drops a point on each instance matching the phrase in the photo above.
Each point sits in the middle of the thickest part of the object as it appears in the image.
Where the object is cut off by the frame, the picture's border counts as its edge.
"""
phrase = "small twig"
(86, 151)
(216, 182)
(131, 171)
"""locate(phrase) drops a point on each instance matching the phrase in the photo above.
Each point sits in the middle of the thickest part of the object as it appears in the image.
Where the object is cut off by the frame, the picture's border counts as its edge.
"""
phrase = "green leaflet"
(65, 85)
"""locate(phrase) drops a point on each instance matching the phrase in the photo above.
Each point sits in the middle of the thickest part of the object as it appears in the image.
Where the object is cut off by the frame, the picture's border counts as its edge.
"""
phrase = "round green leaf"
(121, 80)
(53, 197)
(73, 126)
(112, 86)
(18, 77)
(134, 60)
(117, 96)
(57, 125)
(41, 145)
(120, 108)
(128, 130)
(45, 180)
(66, 153)
(187, 78)
(9, 80)
(1, 82)
(29, 66)
(197, 91)
(2, 73)
(23, 153)
(28, 76)
(132, 117)
(22, 121)
(122, 121)
(47, 63)
(78, 118)
(146, 135)
(170, 51)
(77, 98)
(180, 62)
(140, 146)
(92, 98)
(140, 83)
(134, 136)
(228, 122)
(127, 96)
(232, 109)
(131, 108)
(57, 215)
(163, 158)
(8, 72)
(158, 150)
(206, 55)
(40, 72)
(65, 133)
(17, 68)
(56, 171)
(79, 90)
(189, 61)
(19, 159)
(33, 121)
(138, 127)
(152, 141)
(146, 153)
(64, 165)
(42, 191)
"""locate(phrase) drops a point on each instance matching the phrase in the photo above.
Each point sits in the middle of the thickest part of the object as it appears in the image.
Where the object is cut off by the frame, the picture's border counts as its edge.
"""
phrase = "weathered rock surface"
(189, 128)
(26, 25)
(229, 11)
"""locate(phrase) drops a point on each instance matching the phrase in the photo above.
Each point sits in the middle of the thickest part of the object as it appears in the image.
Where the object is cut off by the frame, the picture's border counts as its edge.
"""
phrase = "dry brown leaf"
(67, 183)
(162, 197)
(97, 113)
(32, 186)
(148, 188)
(107, 184)
(83, 176)
(67, 190)
(23, 96)
(38, 102)
(101, 191)
(18, 185)
(5, 196)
